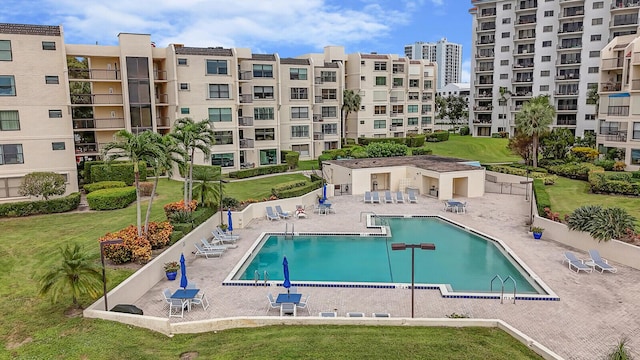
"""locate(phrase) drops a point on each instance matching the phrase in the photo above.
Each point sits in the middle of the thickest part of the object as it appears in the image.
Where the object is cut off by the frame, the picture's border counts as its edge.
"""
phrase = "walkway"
(594, 312)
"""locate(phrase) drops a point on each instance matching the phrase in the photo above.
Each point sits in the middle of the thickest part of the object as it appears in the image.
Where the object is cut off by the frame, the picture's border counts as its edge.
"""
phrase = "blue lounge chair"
(399, 197)
(367, 197)
(387, 197)
(271, 215)
(411, 195)
(283, 214)
(576, 263)
(375, 197)
(600, 262)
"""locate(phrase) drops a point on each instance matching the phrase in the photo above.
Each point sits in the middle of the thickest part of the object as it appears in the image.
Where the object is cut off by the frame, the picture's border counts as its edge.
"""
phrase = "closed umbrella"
(183, 273)
(324, 193)
(230, 222)
(286, 284)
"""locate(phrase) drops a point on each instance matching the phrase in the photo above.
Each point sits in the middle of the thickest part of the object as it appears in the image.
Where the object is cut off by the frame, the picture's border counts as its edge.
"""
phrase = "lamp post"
(413, 247)
(526, 195)
(104, 273)
(222, 181)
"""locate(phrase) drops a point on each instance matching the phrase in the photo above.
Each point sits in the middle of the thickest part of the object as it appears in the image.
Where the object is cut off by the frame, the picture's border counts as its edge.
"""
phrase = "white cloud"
(465, 71)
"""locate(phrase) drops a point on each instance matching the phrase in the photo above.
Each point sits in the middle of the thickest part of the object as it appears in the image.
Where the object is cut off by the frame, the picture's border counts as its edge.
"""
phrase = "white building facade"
(446, 54)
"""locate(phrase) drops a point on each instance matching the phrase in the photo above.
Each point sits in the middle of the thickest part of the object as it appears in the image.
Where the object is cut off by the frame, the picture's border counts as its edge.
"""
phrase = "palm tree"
(534, 120)
(192, 135)
(145, 147)
(350, 103)
(76, 274)
(206, 190)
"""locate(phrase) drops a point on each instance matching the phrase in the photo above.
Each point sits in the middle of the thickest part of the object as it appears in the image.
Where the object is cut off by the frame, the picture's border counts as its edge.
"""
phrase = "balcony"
(614, 136)
(569, 61)
(611, 87)
(318, 135)
(246, 143)
(567, 107)
(486, 27)
(570, 76)
(618, 110)
(163, 122)
(524, 65)
(245, 121)
(570, 29)
(483, 108)
(96, 99)
(566, 122)
(526, 20)
(94, 74)
(246, 99)
(317, 117)
(521, 52)
(571, 12)
(487, 13)
(92, 123)
(486, 42)
(569, 46)
(160, 75)
(527, 5)
(566, 92)
(612, 63)
(482, 121)
(82, 148)
(245, 75)
(624, 4)
(523, 79)
(485, 94)
(484, 69)
(162, 99)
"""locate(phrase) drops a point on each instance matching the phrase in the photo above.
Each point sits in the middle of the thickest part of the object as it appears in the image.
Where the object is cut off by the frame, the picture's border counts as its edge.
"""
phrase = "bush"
(230, 203)
(175, 236)
(546, 178)
(170, 208)
(118, 171)
(204, 171)
(87, 169)
(579, 171)
(619, 166)
(367, 141)
(203, 214)
(291, 158)
(607, 165)
(584, 153)
(610, 183)
(181, 217)
(145, 188)
(315, 177)
(45, 184)
(301, 190)
(415, 141)
(635, 174)
(277, 190)
(542, 197)
(421, 151)
(376, 150)
(465, 131)
(88, 188)
(111, 199)
(137, 248)
(26, 208)
(159, 234)
(438, 136)
(262, 170)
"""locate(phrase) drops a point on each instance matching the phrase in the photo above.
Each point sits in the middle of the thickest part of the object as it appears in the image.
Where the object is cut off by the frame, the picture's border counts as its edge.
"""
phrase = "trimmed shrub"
(376, 150)
(26, 208)
(87, 169)
(542, 197)
(421, 151)
(579, 171)
(45, 184)
(438, 136)
(607, 165)
(111, 199)
(173, 207)
(584, 153)
(230, 203)
(291, 158)
(184, 228)
(262, 170)
(202, 214)
(315, 177)
(287, 186)
(145, 188)
(117, 172)
(89, 188)
(464, 131)
(636, 174)
(175, 236)
(546, 178)
(301, 190)
(415, 141)
(610, 183)
(364, 141)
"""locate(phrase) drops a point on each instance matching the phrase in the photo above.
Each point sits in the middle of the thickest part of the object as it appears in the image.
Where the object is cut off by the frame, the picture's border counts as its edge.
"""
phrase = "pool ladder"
(502, 282)
(286, 231)
(256, 276)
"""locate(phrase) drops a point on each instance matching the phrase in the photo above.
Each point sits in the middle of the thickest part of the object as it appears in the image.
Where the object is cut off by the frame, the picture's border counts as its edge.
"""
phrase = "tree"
(557, 144)
(458, 109)
(350, 103)
(190, 136)
(534, 120)
(441, 107)
(206, 190)
(43, 184)
(76, 274)
(520, 144)
(145, 147)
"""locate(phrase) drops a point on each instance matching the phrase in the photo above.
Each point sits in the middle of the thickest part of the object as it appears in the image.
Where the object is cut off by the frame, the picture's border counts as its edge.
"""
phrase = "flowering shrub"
(170, 208)
(145, 188)
(552, 215)
(159, 234)
(136, 248)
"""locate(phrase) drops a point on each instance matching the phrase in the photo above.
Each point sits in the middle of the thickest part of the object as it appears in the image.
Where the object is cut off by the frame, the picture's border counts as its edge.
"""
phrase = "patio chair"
(462, 209)
(227, 242)
(576, 263)
(375, 197)
(411, 195)
(287, 309)
(367, 197)
(174, 304)
(200, 299)
(446, 206)
(328, 314)
(272, 303)
(300, 212)
(271, 215)
(355, 314)
(387, 197)
(293, 290)
(201, 251)
(304, 304)
(600, 262)
(283, 214)
(380, 315)
(191, 285)
(399, 197)
(208, 246)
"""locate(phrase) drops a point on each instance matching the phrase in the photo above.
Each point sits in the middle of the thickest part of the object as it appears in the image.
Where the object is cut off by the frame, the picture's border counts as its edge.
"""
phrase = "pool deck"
(594, 312)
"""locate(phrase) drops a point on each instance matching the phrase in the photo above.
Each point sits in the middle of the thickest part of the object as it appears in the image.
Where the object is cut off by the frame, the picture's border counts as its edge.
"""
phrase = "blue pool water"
(463, 260)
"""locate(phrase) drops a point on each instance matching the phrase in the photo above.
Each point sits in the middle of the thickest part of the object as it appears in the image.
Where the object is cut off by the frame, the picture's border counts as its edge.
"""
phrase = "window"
(265, 134)
(545, 73)
(412, 121)
(268, 156)
(299, 93)
(329, 112)
(328, 76)
(263, 113)
(590, 116)
(598, 4)
(379, 124)
(596, 37)
(546, 43)
(426, 120)
(412, 108)
(48, 45)
(217, 67)
(301, 149)
(5, 50)
(11, 154)
(426, 108)
(263, 92)
(363, 78)
(506, 20)
(183, 62)
(428, 84)
(380, 110)
(223, 137)
(300, 112)
(546, 58)
(504, 76)
(506, 34)
(223, 160)
(9, 120)
(504, 48)
(7, 85)
(414, 96)
(548, 13)
(51, 79)
(398, 82)
(298, 74)
(594, 54)
(330, 129)
(262, 71)
(380, 65)
(55, 113)
(544, 87)
(300, 131)
(397, 109)
(57, 145)
(596, 21)
(184, 86)
(220, 114)
(381, 80)
(547, 28)
(398, 68)
(506, 7)
(414, 82)
(635, 155)
(218, 91)
(184, 111)
(397, 122)
(593, 69)
(504, 62)
(329, 94)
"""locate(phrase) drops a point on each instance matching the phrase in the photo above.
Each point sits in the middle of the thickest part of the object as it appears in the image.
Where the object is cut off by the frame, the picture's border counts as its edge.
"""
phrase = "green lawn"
(258, 188)
(485, 150)
(308, 165)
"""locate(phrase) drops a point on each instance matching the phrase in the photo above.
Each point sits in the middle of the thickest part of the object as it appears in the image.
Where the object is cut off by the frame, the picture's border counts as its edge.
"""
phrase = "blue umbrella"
(183, 273)
(324, 192)
(286, 283)
(230, 221)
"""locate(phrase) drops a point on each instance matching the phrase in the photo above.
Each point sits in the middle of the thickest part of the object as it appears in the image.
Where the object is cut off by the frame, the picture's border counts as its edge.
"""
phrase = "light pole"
(413, 247)
(104, 273)
(222, 181)
(526, 195)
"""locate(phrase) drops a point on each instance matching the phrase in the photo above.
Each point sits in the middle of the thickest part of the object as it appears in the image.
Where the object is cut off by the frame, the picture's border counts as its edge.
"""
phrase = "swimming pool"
(464, 262)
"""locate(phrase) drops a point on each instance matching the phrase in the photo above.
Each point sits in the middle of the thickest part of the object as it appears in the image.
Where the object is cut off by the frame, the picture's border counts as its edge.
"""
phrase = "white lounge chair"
(201, 251)
(375, 197)
(283, 214)
(387, 197)
(576, 263)
(367, 197)
(208, 246)
(399, 197)
(411, 195)
(223, 237)
(600, 262)
(300, 212)
(271, 215)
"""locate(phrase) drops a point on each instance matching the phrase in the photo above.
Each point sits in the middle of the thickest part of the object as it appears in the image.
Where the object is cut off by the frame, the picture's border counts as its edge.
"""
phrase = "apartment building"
(619, 105)
(446, 54)
(535, 47)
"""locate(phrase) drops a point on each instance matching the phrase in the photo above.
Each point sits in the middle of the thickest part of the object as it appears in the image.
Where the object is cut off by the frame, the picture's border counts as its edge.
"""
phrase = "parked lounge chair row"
(588, 265)
(278, 213)
(373, 197)
(215, 247)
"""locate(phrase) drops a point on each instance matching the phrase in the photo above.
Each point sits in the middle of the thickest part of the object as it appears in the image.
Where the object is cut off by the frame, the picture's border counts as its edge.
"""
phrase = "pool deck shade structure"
(413, 247)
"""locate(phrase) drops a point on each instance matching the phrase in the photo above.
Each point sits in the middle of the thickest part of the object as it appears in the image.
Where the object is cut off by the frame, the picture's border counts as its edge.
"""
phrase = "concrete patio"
(594, 312)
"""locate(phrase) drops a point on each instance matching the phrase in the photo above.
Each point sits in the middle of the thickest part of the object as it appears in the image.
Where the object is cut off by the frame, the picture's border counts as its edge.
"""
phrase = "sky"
(287, 27)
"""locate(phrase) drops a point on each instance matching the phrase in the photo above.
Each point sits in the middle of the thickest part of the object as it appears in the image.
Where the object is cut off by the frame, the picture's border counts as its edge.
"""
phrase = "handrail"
(256, 276)
(514, 287)
(502, 281)
(266, 276)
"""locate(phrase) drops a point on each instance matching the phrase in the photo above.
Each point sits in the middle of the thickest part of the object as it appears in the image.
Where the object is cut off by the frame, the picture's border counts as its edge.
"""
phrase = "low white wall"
(613, 250)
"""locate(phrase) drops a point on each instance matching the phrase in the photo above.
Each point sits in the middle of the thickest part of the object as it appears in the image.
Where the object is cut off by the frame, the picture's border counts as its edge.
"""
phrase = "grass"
(485, 150)
(259, 188)
(308, 165)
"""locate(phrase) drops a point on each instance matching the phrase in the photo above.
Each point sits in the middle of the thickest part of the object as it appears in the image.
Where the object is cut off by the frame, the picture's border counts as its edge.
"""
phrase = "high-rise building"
(447, 55)
(525, 48)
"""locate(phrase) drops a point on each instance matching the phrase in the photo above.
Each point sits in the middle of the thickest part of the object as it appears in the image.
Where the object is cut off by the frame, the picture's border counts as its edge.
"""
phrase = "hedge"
(415, 141)
(291, 158)
(110, 199)
(421, 151)
(438, 136)
(88, 188)
(364, 141)
(262, 170)
(87, 169)
(201, 215)
(543, 176)
(299, 191)
(579, 171)
(315, 177)
(542, 198)
(608, 183)
(287, 186)
(51, 206)
(118, 172)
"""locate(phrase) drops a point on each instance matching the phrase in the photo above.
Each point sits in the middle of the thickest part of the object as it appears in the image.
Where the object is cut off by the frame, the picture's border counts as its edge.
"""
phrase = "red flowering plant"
(173, 207)
(136, 248)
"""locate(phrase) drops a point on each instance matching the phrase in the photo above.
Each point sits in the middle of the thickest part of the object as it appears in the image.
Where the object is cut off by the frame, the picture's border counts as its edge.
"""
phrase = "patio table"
(288, 298)
(185, 294)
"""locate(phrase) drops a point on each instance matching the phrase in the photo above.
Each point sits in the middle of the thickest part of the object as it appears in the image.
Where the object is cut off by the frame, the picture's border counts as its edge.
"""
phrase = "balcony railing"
(107, 123)
(569, 13)
(317, 117)
(96, 99)
(611, 87)
(163, 121)
(571, 76)
(482, 121)
(86, 148)
(246, 98)
(487, 12)
(617, 136)
(566, 92)
(612, 63)
(318, 135)
(566, 122)
(245, 121)
(160, 74)
(618, 110)
(94, 74)
(162, 98)
(245, 75)
(572, 29)
(567, 107)
(246, 143)
(621, 4)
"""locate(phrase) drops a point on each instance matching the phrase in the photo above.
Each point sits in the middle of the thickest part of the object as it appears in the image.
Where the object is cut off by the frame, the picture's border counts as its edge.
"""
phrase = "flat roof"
(427, 162)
